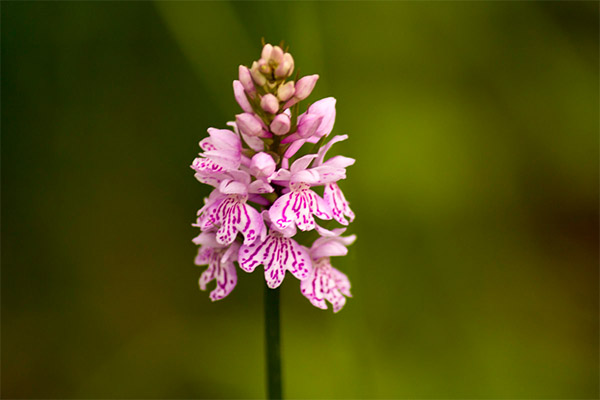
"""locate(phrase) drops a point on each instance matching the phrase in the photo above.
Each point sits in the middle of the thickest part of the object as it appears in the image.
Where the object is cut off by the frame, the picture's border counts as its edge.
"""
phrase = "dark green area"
(475, 129)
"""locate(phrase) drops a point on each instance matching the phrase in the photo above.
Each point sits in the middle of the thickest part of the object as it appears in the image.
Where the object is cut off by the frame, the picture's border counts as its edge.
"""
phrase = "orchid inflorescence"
(251, 164)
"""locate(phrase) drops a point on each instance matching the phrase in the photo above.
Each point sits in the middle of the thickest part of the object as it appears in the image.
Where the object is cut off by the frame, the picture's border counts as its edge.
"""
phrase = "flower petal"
(281, 212)
(323, 150)
(302, 163)
(337, 202)
(220, 268)
(240, 96)
(326, 283)
(234, 215)
(260, 187)
(277, 254)
(326, 108)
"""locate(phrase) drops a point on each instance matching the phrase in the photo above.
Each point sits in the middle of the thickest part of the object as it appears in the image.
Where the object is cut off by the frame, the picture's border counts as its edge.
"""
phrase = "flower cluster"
(265, 193)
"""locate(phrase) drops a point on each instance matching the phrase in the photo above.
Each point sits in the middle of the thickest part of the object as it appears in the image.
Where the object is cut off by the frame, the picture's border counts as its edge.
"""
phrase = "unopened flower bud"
(262, 165)
(269, 103)
(277, 55)
(240, 96)
(281, 124)
(305, 86)
(266, 52)
(286, 91)
(246, 79)
(308, 125)
(257, 77)
(249, 124)
(286, 67)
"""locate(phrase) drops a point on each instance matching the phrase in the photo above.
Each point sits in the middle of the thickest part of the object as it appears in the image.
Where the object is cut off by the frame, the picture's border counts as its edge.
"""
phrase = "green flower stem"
(273, 343)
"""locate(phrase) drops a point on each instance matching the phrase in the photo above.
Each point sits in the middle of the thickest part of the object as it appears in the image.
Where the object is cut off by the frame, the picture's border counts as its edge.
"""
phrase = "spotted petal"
(278, 254)
(337, 202)
(298, 206)
(233, 215)
(220, 269)
(326, 283)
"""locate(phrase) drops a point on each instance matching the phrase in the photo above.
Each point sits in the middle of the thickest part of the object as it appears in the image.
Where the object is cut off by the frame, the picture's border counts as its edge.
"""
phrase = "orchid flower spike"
(263, 194)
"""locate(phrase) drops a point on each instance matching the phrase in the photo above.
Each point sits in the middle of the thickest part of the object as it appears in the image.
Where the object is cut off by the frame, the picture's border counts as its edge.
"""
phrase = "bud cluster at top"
(263, 195)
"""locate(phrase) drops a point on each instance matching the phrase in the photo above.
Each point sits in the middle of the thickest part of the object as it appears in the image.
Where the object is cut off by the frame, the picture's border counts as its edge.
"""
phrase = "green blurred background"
(475, 129)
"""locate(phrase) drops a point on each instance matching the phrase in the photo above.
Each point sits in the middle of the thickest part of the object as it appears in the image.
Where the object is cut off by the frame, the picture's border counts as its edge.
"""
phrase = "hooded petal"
(326, 108)
(260, 187)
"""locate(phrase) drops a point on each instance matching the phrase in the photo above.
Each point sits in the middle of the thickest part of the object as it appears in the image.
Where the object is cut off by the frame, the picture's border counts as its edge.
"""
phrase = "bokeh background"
(475, 127)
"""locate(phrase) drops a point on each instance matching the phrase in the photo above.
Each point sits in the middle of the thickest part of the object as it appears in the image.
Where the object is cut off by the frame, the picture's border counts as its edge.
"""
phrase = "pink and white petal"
(206, 144)
(226, 234)
(338, 203)
(204, 255)
(260, 187)
(252, 255)
(202, 164)
(299, 263)
(341, 282)
(322, 209)
(229, 186)
(281, 212)
(326, 234)
(291, 138)
(227, 159)
(302, 163)
(330, 248)
(327, 174)
(308, 176)
(337, 300)
(224, 139)
(231, 254)
(206, 239)
(210, 179)
(209, 215)
(323, 150)
(287, 232)
(293, 149)
(323, 232)
(326, 108)
(308, 125)
(303, 216)
(281, 175)
(347, 240)
(339, 162)
(254, 142)
(226, 278)
(240, 96)
(207, 276)
(250, 223)
(274, 268)
(308, 289)
(240, 176)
